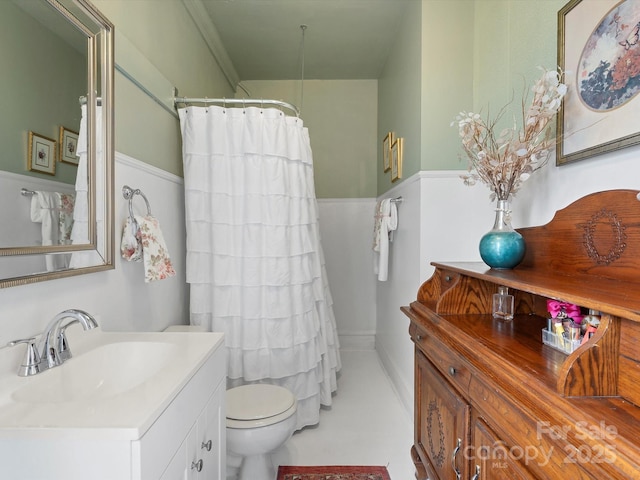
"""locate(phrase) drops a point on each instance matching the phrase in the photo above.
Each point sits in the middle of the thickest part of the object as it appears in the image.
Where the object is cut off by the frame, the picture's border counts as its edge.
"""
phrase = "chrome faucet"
(51, 355)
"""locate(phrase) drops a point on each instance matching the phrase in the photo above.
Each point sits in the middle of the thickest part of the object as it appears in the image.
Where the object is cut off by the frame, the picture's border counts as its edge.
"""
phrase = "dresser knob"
(197, 466)
(452, 371)
(419, 337)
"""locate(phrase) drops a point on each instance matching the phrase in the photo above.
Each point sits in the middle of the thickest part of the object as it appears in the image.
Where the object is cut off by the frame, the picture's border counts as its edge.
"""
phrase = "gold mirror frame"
(100, 74)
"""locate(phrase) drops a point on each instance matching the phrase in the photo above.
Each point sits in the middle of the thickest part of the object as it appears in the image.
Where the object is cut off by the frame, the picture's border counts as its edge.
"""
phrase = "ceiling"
(344, 39)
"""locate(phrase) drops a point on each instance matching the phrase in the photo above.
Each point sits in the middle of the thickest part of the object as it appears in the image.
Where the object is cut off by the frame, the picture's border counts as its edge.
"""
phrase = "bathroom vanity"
(126, 406)
(491, 400)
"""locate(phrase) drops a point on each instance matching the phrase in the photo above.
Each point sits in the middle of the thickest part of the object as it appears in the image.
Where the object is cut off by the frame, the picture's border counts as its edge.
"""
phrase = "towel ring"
(128, 193)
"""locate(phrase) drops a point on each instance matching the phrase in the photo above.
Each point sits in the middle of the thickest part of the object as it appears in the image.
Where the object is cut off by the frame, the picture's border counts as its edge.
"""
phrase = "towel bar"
(128, 193)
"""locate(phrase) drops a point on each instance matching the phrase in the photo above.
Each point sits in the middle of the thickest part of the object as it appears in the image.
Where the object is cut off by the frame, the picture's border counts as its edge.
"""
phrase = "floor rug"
(333, 472)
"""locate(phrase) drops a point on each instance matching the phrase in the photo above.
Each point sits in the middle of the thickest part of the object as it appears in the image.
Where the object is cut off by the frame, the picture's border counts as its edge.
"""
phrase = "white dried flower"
(503, 163)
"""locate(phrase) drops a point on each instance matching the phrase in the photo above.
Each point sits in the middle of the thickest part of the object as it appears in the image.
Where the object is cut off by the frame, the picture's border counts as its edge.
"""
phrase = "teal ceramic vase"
(502, 247)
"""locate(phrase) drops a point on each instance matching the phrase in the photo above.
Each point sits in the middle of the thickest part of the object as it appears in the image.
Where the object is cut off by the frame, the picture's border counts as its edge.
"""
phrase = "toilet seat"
(258, 405)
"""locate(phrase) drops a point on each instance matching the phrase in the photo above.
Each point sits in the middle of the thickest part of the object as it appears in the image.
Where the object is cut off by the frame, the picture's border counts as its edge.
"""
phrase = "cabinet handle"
(206, 445)
(197, 465)
(452, 371)
(453, 459)
(477, 475)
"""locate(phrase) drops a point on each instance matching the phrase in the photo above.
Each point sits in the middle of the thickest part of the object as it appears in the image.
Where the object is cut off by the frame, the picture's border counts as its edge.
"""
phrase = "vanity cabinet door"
(492, 459)
(202, 453)
(210, 444)
(442, 423)
(177, 468)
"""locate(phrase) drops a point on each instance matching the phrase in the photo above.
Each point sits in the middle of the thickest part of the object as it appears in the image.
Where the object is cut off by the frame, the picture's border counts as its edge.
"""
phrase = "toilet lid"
(253, 402)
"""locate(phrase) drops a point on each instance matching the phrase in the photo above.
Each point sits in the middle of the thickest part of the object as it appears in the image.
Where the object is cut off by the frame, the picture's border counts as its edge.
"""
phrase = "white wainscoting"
(439, 219)
(346, 230)
(119, 298)
(15, 218)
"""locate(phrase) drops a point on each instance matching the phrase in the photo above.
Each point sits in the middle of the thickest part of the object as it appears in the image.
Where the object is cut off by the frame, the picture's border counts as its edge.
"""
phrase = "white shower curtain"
(254, 260)
(81, 214)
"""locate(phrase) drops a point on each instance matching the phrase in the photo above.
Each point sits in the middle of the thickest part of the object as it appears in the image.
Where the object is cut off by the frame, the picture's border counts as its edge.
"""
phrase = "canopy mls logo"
(592, 446)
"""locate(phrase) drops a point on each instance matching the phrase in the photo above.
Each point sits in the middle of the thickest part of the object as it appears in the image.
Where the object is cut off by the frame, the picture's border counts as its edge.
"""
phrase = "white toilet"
(260, 419)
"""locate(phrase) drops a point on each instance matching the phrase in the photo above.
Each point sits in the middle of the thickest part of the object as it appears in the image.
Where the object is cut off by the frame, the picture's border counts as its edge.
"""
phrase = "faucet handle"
(31, 363)
(64, 353)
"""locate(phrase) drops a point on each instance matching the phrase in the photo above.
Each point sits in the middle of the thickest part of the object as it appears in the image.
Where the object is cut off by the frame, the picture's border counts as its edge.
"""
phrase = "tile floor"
(366, 425)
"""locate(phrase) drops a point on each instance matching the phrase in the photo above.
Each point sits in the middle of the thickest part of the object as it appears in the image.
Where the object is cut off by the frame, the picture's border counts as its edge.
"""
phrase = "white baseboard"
(357, 341)
(404, 392)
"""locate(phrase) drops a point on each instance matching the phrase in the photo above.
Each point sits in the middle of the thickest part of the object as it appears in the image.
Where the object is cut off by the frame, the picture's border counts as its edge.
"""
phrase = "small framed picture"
(386, 151)
(396, 159)
(42, 154)
(68, 146)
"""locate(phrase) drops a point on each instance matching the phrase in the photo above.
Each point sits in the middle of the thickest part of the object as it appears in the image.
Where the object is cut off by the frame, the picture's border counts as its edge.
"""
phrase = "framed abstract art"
(599, 53)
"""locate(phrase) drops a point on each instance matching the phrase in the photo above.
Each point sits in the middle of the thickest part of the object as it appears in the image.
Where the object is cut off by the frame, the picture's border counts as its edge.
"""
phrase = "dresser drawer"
(450, 365)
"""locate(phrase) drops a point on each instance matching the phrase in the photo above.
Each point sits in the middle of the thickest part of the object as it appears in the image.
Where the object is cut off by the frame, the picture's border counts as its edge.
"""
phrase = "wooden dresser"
(491, 400)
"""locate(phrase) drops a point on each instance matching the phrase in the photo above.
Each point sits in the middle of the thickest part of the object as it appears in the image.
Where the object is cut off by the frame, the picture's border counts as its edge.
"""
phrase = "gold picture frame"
(42, 154)
(68, 146)
(386, 151)
(396, 159)
(599, 113)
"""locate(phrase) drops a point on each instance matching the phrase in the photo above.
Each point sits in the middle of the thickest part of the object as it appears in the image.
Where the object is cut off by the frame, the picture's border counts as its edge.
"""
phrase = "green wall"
(42, 79)
(448, 56)
(473, 55)
(399, 96)
(341, 116)
(164, 32)
(447, 78)
(512, 39)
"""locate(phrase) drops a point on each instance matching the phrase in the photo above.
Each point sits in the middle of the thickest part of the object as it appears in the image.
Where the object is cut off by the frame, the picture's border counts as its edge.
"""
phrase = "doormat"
(333, 472)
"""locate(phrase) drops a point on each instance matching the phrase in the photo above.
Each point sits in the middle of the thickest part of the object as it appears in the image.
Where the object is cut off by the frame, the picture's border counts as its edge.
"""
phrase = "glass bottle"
(503, 304)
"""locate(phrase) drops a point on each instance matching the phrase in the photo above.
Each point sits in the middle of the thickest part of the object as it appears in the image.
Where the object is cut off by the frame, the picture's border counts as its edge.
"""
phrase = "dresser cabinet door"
(442, 423)
(492, 459)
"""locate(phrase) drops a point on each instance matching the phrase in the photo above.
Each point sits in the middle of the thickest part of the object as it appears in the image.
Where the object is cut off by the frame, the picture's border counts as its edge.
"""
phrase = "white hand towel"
(386, 221)
(157, 264)
(45, 209)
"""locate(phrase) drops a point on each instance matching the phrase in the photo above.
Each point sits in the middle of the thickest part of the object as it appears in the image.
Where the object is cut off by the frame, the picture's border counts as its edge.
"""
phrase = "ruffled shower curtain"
(254, 261)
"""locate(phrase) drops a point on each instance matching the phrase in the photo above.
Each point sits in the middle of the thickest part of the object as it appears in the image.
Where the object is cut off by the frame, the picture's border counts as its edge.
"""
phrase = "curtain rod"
(237, 101)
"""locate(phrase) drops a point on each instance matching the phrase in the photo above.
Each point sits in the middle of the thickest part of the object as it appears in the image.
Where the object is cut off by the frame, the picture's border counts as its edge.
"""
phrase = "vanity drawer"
(450, 365)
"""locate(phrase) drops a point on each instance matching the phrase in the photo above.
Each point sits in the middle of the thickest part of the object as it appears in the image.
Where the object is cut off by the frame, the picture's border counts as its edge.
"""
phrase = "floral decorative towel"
(130, 247)
(67, 202)
(157, 264)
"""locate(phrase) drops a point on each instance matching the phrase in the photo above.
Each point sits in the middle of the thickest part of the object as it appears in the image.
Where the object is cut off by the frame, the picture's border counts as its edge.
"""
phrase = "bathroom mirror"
(56, 136)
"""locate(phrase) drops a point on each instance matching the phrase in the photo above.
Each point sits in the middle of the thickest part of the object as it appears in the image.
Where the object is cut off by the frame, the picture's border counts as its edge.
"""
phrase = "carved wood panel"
(492, 459)
(443, 423)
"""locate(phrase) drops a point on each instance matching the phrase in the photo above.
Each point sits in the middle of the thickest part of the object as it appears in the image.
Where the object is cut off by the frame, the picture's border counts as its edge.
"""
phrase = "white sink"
(115, 383)
(101, 373)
